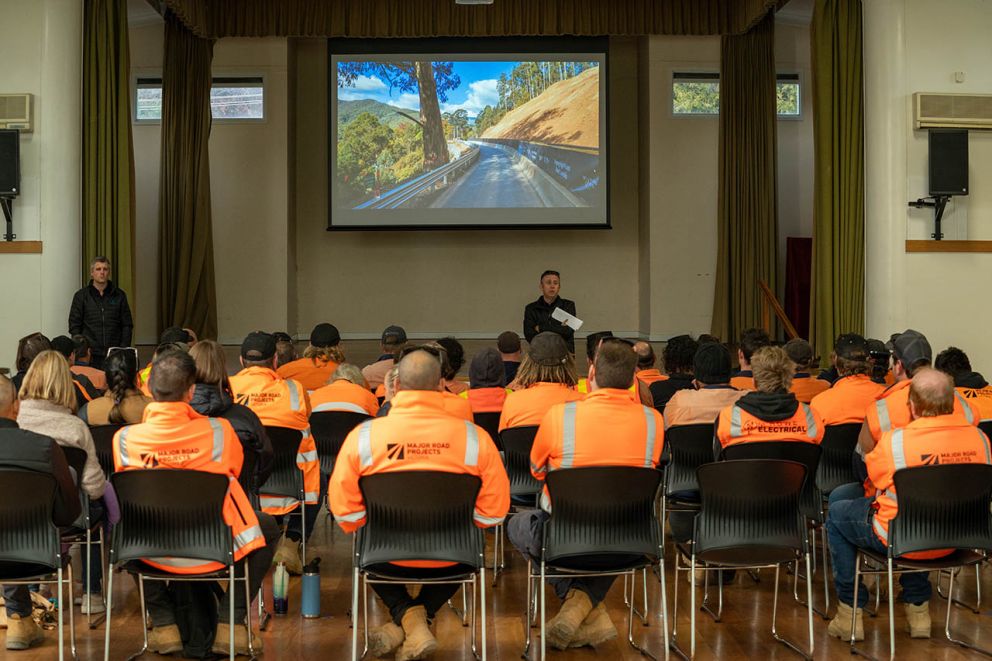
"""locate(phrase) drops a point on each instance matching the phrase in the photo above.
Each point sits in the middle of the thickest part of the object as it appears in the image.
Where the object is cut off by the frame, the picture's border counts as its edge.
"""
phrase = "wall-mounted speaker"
(948, 162)
(10, 163)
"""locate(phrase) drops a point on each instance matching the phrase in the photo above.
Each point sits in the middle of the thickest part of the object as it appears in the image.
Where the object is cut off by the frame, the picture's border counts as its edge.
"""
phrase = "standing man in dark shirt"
(537, 315)
(100, 312)
(24, 450)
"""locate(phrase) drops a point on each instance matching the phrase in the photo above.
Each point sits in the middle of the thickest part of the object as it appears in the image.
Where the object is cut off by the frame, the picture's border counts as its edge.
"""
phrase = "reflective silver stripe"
(898, 451)
(879, 530)
(122, 446)
(538, 469)
(651, 434)
(339, 406)
(218, 453)
(180, 563)
(247, 536)
(310, 497)
(884, 424)
(276, 501)
(487, 520)
(568, 436)
(735, 421)
(471, 444)
(306, 457)
(968, 415)
(350, 518)
(890, 495)
(811, 430)
(294, 395)
(365, 443)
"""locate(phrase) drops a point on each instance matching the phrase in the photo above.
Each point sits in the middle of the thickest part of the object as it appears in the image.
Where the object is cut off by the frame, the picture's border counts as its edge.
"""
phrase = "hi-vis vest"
(945, 439)
(173, 435)
(485, 400)
(735, 425)
(281, 403)
(891, 410)
(980, 399)
(342, 395)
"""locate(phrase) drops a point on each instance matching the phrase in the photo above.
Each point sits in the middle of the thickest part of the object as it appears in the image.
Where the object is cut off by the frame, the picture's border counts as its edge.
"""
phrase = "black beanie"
(711, 364)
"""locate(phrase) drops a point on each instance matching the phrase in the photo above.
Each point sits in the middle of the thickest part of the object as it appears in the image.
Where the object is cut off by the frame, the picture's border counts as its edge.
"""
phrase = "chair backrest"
(750, 511)
(420, 515)
(103, 439)
(27, 534)
(489, 421)
(690, 446)
(329, 429)
(807, 454)
(517, 442)
(169, 512)
(286, 478)
(76, 458)
(986, 426)
(835, 466)
(602, 510)
(942, 507)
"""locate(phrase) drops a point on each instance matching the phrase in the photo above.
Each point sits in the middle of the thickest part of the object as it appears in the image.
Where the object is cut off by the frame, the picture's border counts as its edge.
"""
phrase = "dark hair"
(593, 340)
(64, 345)
(28, 347)
(706, 338)
(953, 361)
(753, 339)
(174, 334)
(554, 273)
(285, 352)
(456, 356)
(679, 354)
(82, 345)
(173, 372)
(121, 369)
(878, 359)
(615, 363)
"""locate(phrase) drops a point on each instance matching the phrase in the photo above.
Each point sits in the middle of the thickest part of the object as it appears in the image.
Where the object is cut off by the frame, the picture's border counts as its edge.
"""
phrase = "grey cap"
(910, 347)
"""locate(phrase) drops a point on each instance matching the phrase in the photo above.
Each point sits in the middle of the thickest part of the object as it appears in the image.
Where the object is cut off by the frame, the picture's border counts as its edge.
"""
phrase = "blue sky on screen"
(476, 91)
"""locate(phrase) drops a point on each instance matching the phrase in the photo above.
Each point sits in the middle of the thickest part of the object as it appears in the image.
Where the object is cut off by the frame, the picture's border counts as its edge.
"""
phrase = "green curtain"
(108, 154)
(187, 295)
(747, 222)
(838, 300)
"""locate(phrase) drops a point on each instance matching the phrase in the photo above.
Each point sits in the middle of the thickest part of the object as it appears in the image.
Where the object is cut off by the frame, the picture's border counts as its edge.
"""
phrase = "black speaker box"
(10, 163)
(948, 162)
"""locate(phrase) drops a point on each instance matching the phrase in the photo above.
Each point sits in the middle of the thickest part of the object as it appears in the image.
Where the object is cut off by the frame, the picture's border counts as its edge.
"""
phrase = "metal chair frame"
(76, 458)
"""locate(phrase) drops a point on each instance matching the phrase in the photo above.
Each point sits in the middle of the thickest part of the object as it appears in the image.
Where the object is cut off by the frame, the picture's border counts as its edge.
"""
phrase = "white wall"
(908, 50)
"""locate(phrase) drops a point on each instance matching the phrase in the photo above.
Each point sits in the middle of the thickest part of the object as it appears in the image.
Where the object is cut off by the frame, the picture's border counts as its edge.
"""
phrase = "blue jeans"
(849, 527)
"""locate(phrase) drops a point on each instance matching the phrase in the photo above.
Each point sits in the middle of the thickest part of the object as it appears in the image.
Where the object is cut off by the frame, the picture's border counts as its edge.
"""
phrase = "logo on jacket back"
(930, 459)
(395, 451)
(149, 460)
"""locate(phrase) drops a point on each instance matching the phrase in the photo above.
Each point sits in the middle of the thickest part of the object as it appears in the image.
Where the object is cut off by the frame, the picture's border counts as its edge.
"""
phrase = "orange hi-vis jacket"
(980, 399)
(846, 400)
(650, 376)
(143, 377)
(311, 373)
(528, 406)
(891, 410)
(607, 428)
(418, 435)
(456, 406)
(943, 439)
(96, 377)
(485, 400)
(343, 395)
(173, 435)
(281, 403)
(805, 387)
(735, 425)
(743, 380)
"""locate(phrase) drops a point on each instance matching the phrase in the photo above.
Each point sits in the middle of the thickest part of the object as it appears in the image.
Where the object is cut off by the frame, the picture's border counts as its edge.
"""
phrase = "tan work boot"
(595, 630)
(840, 626)
(288, 552)
(23, 632)
(223, 638)
(165, 640)
(384, 640)
(562, 627)
(918, 619)
(418, 642)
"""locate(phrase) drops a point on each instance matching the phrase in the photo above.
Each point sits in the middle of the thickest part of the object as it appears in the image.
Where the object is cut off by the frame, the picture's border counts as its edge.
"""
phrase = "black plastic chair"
(940, 507)
(30, 548)
(687, 447)
(329, 429)
(750, 519)
(82, 530)
(599, 511)
(437, 525)
(103, 439)
(986, 426)
(489, 420)
(515, 443)
(285, 483)
(835, 468)
(171, 513)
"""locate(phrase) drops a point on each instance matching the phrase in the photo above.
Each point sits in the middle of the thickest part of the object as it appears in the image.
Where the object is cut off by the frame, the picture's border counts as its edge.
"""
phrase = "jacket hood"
(772, 407)
(209, 400)
(970, 380)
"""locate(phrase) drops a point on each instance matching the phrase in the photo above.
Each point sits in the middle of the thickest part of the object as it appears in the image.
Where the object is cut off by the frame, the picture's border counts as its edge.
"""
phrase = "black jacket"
(210, 401)
(105, 319)
(662, 391)
(25, 450)
(537, 319)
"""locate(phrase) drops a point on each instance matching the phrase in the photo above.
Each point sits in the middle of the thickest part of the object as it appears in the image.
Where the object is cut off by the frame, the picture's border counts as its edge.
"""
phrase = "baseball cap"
(258, 346)
(393, 335)
(910, 347)
(711, 364)
(486, 369)
(324, 335)
(548, 349)
(851, 346)
(508, 342)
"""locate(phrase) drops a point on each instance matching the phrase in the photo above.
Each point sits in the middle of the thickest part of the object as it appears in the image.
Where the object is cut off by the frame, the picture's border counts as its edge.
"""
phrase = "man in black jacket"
(100, 312)
(537, 315)
(25, 450)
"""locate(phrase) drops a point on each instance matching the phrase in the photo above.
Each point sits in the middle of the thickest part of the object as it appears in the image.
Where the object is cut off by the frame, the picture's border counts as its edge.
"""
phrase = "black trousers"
(432, 596)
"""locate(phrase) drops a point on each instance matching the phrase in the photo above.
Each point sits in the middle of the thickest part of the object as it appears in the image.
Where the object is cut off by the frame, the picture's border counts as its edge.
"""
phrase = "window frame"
(148, 78)
(689, 74)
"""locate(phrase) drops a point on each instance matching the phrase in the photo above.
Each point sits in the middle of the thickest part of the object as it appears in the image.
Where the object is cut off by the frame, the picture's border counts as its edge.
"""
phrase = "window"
(231, 98)
(698, 94)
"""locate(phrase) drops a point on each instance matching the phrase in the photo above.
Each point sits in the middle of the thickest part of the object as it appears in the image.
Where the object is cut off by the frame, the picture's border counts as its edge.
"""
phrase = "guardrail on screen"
(575, 168)
(403, 193)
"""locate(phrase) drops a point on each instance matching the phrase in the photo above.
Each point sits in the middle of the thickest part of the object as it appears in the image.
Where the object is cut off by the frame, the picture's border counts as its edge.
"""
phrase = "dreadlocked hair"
(530, 373)
(121, 370)
(327, 354)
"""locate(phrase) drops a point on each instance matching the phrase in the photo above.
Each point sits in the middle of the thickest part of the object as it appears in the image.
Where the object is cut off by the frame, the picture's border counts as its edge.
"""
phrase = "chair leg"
(692, 607)
(303, 528)
(71, 608)
(543, 598)
(892, 613)
(664, 599)
(354, 614)
(103, 563)
(529, 608)
(230, 610)
(144, 620)
(108, 588)
(947, 620)
(251, 645)
(482, 608)
(58, 574)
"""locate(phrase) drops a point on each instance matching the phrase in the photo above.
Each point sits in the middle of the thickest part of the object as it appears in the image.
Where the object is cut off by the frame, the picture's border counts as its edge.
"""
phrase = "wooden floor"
(744, 632)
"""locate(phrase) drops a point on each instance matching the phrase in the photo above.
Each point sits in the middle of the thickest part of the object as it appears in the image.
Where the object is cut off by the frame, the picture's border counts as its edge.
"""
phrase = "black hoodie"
(970, 380)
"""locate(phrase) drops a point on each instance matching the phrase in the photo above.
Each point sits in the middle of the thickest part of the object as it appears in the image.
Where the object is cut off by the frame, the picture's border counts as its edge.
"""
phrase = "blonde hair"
(211, 363)
(351, 373)
(49, 379)
(772, 369)
(530, 372)
(327, 354)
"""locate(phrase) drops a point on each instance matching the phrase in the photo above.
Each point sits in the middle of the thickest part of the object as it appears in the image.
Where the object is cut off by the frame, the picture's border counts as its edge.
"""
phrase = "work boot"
(288, 552)
(562, 627)
(840, 626)
(595, 630)
(419, 642)
(918, 619)
(165, 640)
(384, 640)
(23, 632)
(223, 638)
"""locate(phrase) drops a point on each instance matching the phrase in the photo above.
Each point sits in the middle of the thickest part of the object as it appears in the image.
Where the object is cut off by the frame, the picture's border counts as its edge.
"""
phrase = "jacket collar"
(169, 414)
(417, 400)
(894, 388)
(609, 395)
(257, 371)
(938, 421)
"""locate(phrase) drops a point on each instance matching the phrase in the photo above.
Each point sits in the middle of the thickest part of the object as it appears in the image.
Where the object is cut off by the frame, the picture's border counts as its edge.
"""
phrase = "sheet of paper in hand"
(567, 319)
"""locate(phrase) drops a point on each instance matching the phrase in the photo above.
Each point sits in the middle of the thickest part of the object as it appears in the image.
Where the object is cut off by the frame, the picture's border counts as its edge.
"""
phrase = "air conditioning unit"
(15, 112)
(953, 111)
